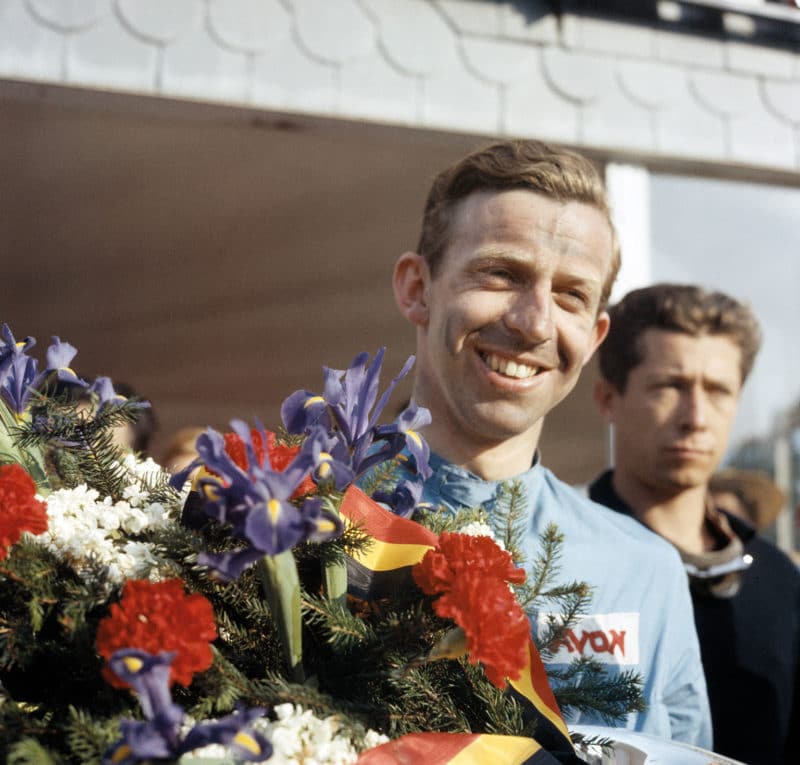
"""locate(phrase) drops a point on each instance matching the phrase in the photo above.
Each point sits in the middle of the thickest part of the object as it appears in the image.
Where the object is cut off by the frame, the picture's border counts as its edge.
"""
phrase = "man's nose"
(531, 313)
(694, 409)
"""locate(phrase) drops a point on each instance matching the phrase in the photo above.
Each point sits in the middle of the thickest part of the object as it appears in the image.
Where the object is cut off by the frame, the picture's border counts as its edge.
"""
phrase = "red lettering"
(599, 641)
(617, 641)
(579, 643)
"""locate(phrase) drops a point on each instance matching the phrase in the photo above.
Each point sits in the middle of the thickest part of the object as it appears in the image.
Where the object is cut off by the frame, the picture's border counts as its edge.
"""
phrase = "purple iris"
(10, 346)
(257, 501)
(19, 375)
(106, 396)
(331, 458)
(404, 434)
(403, 499)
(159, 736)
(350, 406)
(18, 380)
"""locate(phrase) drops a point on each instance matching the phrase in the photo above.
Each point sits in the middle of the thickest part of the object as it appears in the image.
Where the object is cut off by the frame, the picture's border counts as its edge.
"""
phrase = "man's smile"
(509, 367)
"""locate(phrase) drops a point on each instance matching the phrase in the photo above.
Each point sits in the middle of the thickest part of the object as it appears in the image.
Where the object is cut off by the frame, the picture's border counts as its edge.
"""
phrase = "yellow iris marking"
(132, 664)
(121, 753)
(415, 437)
(313, 400)
(324, 469)
(325, 525)
(246, 741)
(274, 509)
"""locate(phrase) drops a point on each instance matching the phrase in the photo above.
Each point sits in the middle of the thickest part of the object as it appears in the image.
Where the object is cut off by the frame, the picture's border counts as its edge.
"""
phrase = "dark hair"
(146, 423)
(517, 164)
(682, 308)
(142, 429)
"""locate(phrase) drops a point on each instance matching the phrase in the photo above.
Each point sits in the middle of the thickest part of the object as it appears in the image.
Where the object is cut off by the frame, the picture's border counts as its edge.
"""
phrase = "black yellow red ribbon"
(383, 570)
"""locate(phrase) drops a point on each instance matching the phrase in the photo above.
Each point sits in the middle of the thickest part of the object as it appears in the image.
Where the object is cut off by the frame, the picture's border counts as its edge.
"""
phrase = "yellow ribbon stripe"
(508, 750)
(386, 556)
(525, 686)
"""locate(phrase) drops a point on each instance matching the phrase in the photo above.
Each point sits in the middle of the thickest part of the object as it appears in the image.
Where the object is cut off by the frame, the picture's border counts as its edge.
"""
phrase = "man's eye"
(574, 298)
(497, 276)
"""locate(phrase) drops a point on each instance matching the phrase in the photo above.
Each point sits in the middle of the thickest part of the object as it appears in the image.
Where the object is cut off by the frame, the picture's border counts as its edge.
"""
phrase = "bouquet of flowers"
(273, 601)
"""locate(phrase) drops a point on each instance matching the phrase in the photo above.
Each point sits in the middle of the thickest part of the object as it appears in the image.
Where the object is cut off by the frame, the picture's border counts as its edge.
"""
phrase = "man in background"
(672, 368)
(507, 294)
(749, 494)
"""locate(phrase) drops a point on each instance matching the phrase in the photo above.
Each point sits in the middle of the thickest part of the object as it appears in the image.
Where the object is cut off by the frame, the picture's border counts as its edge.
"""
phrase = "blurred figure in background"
(748, 494)
(180, 450)
(135, 436)
(672, 369)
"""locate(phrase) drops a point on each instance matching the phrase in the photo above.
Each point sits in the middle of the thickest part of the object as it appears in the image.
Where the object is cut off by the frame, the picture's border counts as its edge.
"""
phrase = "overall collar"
(728, 557)
(461, 488)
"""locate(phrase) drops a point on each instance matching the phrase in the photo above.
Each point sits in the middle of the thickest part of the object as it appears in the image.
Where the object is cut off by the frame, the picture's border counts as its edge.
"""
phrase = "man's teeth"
(509, 368)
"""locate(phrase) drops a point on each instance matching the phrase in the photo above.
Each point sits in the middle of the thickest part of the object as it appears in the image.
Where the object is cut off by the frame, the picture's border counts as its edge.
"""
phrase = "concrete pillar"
(629, 193)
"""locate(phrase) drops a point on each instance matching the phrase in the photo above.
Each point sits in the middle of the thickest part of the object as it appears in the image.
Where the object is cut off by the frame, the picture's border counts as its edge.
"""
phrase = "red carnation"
(235, 448)
(19, 509)
(279, 455)
(458, 553)
(472, 575)
(157, 617)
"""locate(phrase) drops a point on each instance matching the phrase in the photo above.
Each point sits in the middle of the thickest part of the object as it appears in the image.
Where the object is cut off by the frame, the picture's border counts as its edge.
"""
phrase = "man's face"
(671, 425)
(511, 316)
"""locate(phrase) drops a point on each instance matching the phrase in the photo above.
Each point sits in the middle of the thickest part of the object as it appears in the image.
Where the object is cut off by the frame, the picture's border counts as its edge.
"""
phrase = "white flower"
(298, 737)
(135, 521)
(86, 530)
(480, 529)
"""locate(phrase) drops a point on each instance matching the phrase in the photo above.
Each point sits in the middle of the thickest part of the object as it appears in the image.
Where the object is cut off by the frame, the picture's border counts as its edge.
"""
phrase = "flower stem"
(334, 575)
(281, 585)
(31, 457)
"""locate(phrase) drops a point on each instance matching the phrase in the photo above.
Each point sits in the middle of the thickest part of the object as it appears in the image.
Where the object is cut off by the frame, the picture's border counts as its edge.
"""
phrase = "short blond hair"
(516, 164)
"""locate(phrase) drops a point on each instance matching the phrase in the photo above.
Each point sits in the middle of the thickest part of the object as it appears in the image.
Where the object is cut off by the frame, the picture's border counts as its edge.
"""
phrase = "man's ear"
(600, 330)
(410, 282)
(605, 394)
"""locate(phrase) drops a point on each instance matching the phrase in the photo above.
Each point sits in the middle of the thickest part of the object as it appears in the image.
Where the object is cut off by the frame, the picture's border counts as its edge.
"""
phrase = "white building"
(206, 196)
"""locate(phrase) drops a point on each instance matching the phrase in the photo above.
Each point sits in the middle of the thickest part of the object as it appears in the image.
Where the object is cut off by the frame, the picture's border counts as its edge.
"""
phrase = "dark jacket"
(750, 645)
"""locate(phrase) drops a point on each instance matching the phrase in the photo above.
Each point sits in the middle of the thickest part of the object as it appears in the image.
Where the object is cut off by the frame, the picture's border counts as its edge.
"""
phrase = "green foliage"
(87, 737)
(78, 447)
(584, 686)
(364, 662)
(28, 751)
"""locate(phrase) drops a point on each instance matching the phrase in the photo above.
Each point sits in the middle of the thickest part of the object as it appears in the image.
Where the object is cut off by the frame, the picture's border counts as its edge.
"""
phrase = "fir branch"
(508, 517)
(438, 520)
(546, 566)
(570, 602)
(383, 477)
(79, 448)
(275, 689)
(582, 740)
(417, 702)
(19, 722)
(345, 632)
(28, 751)
(88, 738)
(585, 686)
(501, 712)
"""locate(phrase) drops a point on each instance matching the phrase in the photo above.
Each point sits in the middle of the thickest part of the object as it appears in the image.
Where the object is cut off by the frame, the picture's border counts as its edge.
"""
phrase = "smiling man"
(507, 294)
(672, 370)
